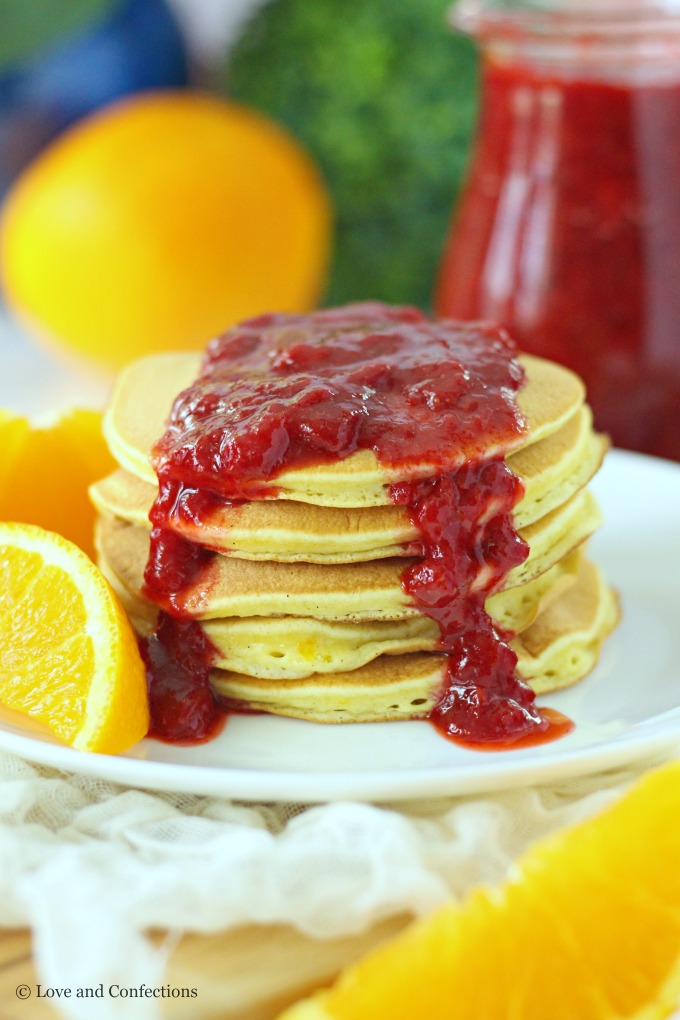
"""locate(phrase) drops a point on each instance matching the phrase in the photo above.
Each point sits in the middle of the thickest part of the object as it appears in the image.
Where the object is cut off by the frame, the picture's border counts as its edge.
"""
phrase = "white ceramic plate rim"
(303, 787)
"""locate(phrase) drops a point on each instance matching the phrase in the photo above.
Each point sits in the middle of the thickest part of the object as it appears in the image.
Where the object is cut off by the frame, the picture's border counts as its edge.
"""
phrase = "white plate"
(627, 709)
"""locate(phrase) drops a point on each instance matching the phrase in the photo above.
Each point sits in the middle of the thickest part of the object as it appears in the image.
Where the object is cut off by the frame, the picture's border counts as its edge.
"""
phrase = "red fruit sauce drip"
(284, 391)
(466, 555)
(178, 660)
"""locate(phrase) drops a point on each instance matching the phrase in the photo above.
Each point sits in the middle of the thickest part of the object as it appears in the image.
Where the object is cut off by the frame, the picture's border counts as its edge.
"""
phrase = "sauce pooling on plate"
(435, 401)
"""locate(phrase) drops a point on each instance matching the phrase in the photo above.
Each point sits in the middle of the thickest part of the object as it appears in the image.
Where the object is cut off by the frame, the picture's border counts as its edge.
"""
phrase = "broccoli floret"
(384, 96)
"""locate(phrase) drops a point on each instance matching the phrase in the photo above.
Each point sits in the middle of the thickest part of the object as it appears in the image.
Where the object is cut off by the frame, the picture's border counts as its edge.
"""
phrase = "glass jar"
(568, 229)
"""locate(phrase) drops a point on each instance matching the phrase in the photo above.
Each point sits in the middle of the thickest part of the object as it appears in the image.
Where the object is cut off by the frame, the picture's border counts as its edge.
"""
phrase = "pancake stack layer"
(301, 594)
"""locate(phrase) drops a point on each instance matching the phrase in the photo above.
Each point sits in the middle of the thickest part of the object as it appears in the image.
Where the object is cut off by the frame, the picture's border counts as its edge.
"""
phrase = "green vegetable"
(383, 94)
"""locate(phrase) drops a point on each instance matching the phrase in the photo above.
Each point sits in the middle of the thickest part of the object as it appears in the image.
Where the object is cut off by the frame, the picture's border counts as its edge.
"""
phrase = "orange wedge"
(69, 656)
(45, 473)
(586, 928)
(14, 432)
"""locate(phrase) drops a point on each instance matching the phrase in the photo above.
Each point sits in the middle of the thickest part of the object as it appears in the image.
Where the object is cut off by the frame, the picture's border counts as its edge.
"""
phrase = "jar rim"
(618, 20)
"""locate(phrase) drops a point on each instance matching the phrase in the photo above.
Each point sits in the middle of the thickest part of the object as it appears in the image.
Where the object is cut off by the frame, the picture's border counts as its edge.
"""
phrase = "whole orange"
(159, 222)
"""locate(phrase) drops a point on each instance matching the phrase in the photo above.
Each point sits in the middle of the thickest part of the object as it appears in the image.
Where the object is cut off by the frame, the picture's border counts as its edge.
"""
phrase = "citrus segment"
(13, 434)
(160, 221)
(69, 655)
(45, 473)
(587, 926)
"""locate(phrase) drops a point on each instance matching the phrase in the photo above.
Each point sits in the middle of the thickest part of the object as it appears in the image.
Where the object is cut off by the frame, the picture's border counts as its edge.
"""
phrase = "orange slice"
(69, 656)
(587, 927)
(45, 473)
(14, 432)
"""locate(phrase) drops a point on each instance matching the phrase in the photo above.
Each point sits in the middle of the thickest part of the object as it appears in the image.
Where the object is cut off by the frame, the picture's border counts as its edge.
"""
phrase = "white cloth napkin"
(90, 866)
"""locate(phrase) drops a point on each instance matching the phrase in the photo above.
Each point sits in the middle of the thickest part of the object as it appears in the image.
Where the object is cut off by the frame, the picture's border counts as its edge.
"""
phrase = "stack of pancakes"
(303, 601)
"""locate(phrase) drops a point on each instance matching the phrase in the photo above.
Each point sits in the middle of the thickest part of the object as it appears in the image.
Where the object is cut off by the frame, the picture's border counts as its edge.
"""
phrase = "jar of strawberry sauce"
(568, 230)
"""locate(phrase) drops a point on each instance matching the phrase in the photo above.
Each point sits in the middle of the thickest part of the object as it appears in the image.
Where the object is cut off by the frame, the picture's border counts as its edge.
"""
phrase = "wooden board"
(249, 973)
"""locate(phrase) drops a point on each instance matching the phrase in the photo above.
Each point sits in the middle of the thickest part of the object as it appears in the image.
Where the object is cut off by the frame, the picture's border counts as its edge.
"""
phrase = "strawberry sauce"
(429, 399)
(178, 660)
(568, 231)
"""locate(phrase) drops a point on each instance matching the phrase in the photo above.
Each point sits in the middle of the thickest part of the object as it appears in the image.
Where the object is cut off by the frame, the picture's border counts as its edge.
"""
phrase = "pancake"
(272, 529)
(294, 647)
(559, 649)
(352, 591)
(289, 647)
(552, 470)
(142, 614)
(563, 645)
(146, 390)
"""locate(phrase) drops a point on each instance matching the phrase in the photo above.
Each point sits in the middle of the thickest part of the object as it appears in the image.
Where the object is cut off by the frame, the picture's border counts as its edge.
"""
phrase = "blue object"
(137, 46)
